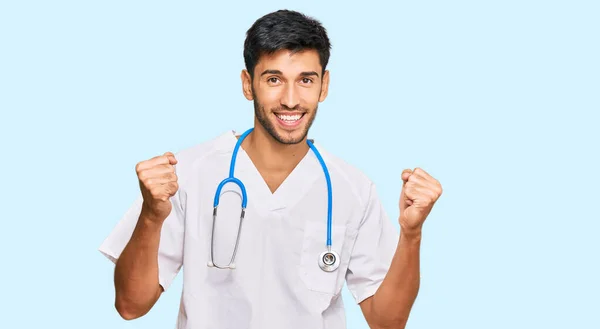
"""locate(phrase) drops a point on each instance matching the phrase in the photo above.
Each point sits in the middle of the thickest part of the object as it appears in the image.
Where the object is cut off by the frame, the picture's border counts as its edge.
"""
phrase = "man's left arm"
(391, 304)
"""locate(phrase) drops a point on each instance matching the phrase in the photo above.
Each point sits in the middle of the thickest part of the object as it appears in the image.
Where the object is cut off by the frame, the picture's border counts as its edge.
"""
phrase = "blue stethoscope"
(329, 260)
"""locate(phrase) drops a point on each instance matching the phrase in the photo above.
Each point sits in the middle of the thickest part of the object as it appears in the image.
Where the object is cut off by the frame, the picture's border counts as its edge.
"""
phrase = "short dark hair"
(285, 29)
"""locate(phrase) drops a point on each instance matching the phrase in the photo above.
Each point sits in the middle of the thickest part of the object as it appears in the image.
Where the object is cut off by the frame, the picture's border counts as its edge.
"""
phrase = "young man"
(290, 264)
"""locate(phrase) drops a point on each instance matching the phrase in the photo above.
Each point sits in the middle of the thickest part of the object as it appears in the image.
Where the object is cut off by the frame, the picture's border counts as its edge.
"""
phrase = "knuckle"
(433, 194)
(138, 167)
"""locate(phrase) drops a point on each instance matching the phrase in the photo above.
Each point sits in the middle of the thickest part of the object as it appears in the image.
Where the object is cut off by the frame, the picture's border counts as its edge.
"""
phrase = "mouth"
(289, 120)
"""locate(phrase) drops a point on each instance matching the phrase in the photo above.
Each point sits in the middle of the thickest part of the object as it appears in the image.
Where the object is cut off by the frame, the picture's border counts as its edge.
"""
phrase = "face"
(286, 91)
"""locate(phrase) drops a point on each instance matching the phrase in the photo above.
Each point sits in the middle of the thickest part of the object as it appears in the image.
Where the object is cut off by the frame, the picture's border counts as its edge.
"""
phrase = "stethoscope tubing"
(329, 193)
(332, 257)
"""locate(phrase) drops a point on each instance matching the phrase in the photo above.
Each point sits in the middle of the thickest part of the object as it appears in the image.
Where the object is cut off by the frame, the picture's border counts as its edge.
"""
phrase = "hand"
(158, 182)
(420, 191)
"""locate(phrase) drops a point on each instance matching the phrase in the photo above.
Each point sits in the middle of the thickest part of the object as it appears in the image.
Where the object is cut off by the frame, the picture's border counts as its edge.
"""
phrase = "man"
(278, 279)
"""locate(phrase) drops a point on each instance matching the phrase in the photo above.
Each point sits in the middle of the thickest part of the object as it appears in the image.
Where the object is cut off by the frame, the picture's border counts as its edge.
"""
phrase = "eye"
(306, 80)
(273, 80)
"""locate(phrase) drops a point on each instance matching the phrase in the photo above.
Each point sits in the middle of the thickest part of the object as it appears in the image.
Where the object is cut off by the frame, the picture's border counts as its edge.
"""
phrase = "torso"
(277, 282)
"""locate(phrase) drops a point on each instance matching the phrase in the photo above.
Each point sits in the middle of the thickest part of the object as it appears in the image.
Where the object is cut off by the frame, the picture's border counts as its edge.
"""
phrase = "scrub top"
(277, 282)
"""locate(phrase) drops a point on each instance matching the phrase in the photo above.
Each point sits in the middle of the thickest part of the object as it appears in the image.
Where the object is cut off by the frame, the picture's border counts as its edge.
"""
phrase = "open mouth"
(289, 119)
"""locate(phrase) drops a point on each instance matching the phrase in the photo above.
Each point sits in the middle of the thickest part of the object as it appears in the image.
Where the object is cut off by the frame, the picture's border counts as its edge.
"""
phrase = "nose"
(290, 97)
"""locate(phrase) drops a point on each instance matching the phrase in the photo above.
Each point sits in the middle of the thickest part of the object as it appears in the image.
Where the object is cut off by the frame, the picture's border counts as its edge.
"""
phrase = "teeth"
(290, 118)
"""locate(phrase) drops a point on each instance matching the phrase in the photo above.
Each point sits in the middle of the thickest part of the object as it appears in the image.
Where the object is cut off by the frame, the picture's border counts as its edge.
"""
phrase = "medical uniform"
(277, 282)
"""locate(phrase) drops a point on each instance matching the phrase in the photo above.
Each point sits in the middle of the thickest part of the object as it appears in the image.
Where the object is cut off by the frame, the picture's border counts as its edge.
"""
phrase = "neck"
(271, 155)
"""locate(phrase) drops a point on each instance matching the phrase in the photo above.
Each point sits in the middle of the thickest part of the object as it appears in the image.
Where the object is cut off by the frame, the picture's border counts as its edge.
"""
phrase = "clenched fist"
(420, 191)
(158, 182)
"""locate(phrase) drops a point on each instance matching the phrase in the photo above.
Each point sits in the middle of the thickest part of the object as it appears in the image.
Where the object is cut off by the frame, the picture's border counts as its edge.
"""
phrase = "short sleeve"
(170, 250)
(373, 250)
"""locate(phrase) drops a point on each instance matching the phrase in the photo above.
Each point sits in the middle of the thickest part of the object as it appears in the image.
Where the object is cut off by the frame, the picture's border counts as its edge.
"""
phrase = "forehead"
(289, 62)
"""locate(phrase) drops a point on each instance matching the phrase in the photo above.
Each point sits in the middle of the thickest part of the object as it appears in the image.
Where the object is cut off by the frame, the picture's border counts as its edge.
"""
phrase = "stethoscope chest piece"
(329, 261)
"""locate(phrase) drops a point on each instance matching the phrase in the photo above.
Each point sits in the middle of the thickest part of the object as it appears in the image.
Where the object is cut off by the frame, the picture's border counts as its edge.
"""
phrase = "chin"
(285, 136)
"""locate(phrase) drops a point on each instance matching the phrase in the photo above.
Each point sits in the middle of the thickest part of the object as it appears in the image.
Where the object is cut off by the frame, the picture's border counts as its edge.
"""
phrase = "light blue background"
(498, 100)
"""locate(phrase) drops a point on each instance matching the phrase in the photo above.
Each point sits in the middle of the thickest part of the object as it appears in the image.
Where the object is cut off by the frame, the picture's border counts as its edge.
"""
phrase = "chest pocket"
(313, 245)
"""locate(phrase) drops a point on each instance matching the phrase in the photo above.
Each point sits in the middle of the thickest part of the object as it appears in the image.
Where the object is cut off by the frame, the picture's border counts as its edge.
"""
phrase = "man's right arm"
(137, 286)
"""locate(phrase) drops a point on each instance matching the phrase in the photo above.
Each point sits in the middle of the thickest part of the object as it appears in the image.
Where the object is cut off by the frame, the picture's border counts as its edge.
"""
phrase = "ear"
(247, 85)
(324, 86)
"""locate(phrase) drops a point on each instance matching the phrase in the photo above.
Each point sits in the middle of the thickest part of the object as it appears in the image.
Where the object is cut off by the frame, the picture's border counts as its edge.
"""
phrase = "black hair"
(285, 29)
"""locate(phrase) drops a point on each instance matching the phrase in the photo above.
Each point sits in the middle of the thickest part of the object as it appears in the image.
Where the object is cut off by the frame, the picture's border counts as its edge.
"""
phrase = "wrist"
(413, 233)
(151, 215)
(150, 221)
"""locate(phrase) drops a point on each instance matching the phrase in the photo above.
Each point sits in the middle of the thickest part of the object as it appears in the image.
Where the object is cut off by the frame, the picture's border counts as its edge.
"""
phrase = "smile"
(289, 120)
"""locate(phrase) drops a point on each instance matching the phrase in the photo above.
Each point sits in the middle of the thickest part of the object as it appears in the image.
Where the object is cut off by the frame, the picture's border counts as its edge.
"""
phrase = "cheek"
(269, 94)
(267, 98)
(310, 96)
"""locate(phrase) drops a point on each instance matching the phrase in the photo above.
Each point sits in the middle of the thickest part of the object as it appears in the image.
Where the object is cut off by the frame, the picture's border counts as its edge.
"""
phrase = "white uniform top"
(277, 282)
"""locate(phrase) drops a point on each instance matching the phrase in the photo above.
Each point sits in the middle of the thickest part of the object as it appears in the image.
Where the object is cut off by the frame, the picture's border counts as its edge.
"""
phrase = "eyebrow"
(304, 74)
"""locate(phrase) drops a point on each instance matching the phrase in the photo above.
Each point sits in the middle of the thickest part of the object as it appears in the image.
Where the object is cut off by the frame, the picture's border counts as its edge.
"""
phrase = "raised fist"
(158, 182)
(419, 193)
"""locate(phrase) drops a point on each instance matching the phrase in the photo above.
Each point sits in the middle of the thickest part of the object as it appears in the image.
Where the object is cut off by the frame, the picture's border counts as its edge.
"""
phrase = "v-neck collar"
(290, 191)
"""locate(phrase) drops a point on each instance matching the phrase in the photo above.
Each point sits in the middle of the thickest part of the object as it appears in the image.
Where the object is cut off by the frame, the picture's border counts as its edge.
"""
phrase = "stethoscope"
(329, 260)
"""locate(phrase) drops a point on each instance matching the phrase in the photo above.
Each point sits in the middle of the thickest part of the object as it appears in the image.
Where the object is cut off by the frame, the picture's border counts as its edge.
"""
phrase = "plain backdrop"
(498, 100)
